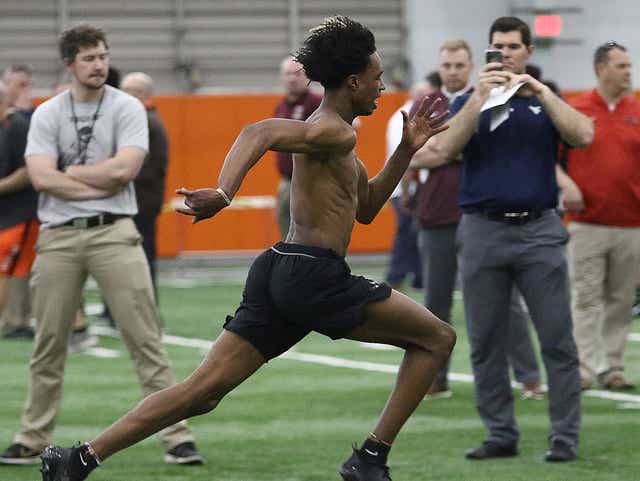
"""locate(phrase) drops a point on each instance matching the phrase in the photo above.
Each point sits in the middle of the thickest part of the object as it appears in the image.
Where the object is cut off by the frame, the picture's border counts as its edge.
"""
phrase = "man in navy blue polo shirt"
(510, 234)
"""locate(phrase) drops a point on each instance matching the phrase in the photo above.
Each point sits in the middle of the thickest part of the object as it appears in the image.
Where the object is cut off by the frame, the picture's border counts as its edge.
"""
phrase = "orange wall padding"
(202, 129)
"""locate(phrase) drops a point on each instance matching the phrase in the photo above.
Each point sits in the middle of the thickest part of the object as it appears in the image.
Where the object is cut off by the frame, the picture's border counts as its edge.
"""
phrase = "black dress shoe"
(560, 452)
(490, 450)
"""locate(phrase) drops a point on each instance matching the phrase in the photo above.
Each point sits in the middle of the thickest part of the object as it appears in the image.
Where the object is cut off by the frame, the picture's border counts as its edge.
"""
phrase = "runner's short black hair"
(337, 48)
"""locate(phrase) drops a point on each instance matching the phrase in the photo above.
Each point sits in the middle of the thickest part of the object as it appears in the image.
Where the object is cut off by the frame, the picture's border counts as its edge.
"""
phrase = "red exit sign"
(547, 25)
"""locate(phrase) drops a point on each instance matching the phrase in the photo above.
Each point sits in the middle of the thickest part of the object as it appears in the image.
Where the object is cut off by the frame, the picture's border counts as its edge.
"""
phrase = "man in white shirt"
(405, 257)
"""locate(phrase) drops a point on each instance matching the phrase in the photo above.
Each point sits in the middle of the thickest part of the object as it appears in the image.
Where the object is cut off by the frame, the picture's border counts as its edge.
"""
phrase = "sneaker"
(437, 391)
(616, 381)
(532, 390)
(184, 453)
(19, 454)
(20, 332)
(356, 468)
(490, 450)
(585, 384)
(81, 340)
(560, 452)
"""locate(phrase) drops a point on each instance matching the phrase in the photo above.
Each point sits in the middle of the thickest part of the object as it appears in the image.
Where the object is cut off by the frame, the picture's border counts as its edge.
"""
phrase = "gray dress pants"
(495, 256)
(440, 268)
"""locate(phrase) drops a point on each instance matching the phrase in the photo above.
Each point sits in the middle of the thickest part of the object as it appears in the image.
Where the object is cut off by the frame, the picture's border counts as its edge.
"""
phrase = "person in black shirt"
(18, 206)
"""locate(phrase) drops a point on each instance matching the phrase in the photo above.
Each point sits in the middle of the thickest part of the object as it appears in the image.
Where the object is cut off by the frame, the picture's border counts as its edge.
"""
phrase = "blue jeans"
(405, 257)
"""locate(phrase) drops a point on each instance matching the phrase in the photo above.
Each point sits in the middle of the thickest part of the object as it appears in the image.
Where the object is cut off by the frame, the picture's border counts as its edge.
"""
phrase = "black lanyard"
(82, 153)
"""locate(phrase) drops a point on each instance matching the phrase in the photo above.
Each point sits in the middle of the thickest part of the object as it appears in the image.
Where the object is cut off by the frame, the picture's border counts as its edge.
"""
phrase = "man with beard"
(84, 148)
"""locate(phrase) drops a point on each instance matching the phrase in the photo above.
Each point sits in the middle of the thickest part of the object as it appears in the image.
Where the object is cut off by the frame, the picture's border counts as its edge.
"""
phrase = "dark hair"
(337, 48)
(80, 36)
(509, 24)
(533, 70)
(433, 78)
(113, 77)
(602, 52)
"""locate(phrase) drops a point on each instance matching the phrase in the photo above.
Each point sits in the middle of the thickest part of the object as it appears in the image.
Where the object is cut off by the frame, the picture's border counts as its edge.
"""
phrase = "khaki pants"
(16, 312)
(604, 268)
(113, 256)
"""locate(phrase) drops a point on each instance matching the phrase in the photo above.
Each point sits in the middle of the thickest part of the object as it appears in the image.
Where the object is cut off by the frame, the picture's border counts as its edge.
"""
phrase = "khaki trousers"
(113, 256)
(604, 268)
(16, 312)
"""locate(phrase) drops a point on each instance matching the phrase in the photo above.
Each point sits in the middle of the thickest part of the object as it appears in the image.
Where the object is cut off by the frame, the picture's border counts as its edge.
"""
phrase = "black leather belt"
(520, 217)
(95, 221)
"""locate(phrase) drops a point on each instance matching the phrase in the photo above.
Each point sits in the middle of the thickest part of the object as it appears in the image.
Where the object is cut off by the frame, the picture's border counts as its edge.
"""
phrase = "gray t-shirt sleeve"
(42, 137)
(133, 128)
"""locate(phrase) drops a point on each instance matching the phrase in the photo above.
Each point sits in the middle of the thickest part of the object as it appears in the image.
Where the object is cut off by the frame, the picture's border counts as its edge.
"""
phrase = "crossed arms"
(82, 182)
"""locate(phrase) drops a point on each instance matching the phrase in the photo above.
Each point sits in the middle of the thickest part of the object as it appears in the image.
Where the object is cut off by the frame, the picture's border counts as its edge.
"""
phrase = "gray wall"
(430, 22)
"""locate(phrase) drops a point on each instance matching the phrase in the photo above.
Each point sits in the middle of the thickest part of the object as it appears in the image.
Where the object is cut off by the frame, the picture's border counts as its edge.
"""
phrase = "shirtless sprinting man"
(304, 284)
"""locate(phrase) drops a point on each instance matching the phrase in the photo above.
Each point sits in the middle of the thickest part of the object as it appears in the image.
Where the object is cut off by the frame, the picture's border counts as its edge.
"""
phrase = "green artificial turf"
(295, 421)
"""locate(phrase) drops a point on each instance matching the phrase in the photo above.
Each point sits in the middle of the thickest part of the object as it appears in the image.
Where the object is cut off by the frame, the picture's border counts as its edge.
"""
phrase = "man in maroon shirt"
(298, 104)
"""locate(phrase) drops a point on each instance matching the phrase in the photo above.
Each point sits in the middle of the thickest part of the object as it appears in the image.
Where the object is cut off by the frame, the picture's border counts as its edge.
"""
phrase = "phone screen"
(493, 55)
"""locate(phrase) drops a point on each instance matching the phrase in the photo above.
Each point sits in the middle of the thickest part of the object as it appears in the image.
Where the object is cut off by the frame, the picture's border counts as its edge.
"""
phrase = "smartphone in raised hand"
(493, 55)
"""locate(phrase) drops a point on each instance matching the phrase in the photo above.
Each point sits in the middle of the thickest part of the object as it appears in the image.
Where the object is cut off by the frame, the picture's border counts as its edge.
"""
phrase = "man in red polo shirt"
(602, 195)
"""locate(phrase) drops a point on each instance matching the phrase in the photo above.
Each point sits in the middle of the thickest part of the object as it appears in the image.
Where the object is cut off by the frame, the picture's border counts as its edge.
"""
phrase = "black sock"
(374, 451)
(82, 462)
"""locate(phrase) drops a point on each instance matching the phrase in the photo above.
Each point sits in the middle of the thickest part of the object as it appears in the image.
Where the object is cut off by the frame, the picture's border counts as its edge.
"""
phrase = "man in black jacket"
(150, 181)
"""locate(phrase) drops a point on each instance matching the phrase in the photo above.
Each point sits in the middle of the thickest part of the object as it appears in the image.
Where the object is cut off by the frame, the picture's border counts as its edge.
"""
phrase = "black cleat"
(356, 468)
(62, 464)
(55, 464)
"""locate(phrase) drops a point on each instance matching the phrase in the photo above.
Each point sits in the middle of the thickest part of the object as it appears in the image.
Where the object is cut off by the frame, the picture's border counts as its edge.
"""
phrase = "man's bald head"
(138, 84)
(293, 78)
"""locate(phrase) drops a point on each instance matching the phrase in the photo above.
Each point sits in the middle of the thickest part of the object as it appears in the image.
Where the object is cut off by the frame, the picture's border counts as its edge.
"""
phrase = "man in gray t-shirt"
(84, 137)
(85, 146)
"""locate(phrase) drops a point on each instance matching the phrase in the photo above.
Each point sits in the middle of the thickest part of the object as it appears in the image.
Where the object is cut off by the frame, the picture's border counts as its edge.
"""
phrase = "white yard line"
(102, 352)
(628, 399)
(634, 336)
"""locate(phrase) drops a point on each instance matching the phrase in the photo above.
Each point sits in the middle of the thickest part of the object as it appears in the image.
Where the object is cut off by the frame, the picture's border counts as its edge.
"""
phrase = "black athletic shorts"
(292, 290)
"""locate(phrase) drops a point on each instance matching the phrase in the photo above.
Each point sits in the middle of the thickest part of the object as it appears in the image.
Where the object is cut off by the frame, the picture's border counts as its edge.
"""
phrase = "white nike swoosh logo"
(82, 459)
(372, 453)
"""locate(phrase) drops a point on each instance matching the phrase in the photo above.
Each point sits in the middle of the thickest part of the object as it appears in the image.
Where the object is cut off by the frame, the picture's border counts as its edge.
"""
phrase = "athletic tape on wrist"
(224, 195)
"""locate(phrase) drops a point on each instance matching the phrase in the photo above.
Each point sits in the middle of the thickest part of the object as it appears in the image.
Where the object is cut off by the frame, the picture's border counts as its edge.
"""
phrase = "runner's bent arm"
(416, 131)
(322, 136)
(281, 135)
(374, 193)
